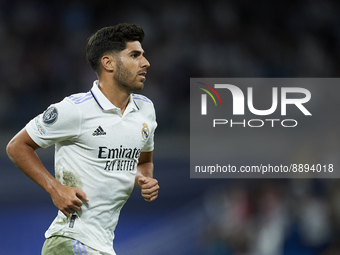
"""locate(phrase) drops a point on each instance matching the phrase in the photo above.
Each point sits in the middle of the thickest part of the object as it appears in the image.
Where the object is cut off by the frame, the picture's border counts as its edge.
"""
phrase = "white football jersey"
(97, 150)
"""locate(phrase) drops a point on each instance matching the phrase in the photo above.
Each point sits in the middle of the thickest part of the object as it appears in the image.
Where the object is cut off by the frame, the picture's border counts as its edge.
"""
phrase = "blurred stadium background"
(42, 60)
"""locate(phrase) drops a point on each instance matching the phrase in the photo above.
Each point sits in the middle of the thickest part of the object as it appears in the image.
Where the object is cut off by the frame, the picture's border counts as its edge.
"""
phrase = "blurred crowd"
(42, 47)
(273, 218)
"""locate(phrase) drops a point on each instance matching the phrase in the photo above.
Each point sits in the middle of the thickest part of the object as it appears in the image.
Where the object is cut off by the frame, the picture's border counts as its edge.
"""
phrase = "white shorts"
(61, 245)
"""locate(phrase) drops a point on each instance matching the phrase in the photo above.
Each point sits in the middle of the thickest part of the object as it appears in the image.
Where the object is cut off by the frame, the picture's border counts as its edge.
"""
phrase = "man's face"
(131, 68)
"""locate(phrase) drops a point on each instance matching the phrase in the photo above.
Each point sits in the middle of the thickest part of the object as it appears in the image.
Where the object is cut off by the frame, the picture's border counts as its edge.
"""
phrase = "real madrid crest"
(145, 131)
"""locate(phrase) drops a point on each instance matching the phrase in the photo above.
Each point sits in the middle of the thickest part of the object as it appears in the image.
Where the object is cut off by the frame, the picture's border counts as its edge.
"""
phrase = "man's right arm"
(21, 150)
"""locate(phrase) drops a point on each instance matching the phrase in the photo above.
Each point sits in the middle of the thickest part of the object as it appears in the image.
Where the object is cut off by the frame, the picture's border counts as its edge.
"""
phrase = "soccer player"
(103, 146)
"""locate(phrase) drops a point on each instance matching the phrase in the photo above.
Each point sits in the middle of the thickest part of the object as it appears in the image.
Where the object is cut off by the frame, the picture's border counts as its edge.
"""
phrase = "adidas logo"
(99, 131)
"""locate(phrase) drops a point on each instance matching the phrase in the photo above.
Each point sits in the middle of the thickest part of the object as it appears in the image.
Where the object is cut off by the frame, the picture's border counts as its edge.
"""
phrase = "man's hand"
(68, 199)
(149, 188)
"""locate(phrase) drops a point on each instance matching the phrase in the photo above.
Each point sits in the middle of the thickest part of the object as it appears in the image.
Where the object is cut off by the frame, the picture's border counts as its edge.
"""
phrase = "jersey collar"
(105, 103)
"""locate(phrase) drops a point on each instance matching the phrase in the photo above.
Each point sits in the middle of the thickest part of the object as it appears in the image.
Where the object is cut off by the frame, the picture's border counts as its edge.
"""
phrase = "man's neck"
(115, 95)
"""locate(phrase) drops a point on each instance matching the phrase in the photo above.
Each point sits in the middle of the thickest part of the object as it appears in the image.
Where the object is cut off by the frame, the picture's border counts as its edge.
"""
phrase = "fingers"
(150, 197)
(148, 183)
(147, 190)
(150, 190)
(81, 194)
(68, 212)
(71, 207)
(68, 199)
(142, 180)
(75, 203)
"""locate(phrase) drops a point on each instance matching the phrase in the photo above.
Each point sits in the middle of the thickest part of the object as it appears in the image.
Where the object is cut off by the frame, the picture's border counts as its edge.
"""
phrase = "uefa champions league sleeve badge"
(145, 131)
(50, 116)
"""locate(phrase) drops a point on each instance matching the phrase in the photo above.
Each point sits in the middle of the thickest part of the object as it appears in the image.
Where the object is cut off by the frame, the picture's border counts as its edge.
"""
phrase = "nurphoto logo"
(264, 127)
(238, 107)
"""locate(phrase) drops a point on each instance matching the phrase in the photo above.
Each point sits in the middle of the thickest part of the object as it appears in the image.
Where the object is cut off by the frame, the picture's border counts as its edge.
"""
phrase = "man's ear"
(108, 63)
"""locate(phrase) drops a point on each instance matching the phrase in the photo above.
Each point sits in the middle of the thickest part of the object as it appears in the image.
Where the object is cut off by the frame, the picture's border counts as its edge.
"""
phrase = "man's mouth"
(142, 74)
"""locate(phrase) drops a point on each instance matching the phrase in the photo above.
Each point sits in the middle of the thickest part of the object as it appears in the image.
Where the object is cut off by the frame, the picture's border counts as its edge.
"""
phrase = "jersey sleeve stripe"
(84, 100)
(137, 97)
(81, 99)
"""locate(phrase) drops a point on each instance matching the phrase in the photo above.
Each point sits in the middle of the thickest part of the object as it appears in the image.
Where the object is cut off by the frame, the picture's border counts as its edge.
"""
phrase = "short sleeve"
(149, 145)
(58, 123)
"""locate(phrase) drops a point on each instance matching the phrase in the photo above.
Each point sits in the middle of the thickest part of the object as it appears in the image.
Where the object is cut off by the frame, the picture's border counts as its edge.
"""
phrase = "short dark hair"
(111, 39)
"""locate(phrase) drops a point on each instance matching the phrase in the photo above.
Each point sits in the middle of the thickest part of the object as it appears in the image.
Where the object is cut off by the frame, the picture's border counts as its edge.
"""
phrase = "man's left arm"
(144, 178)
